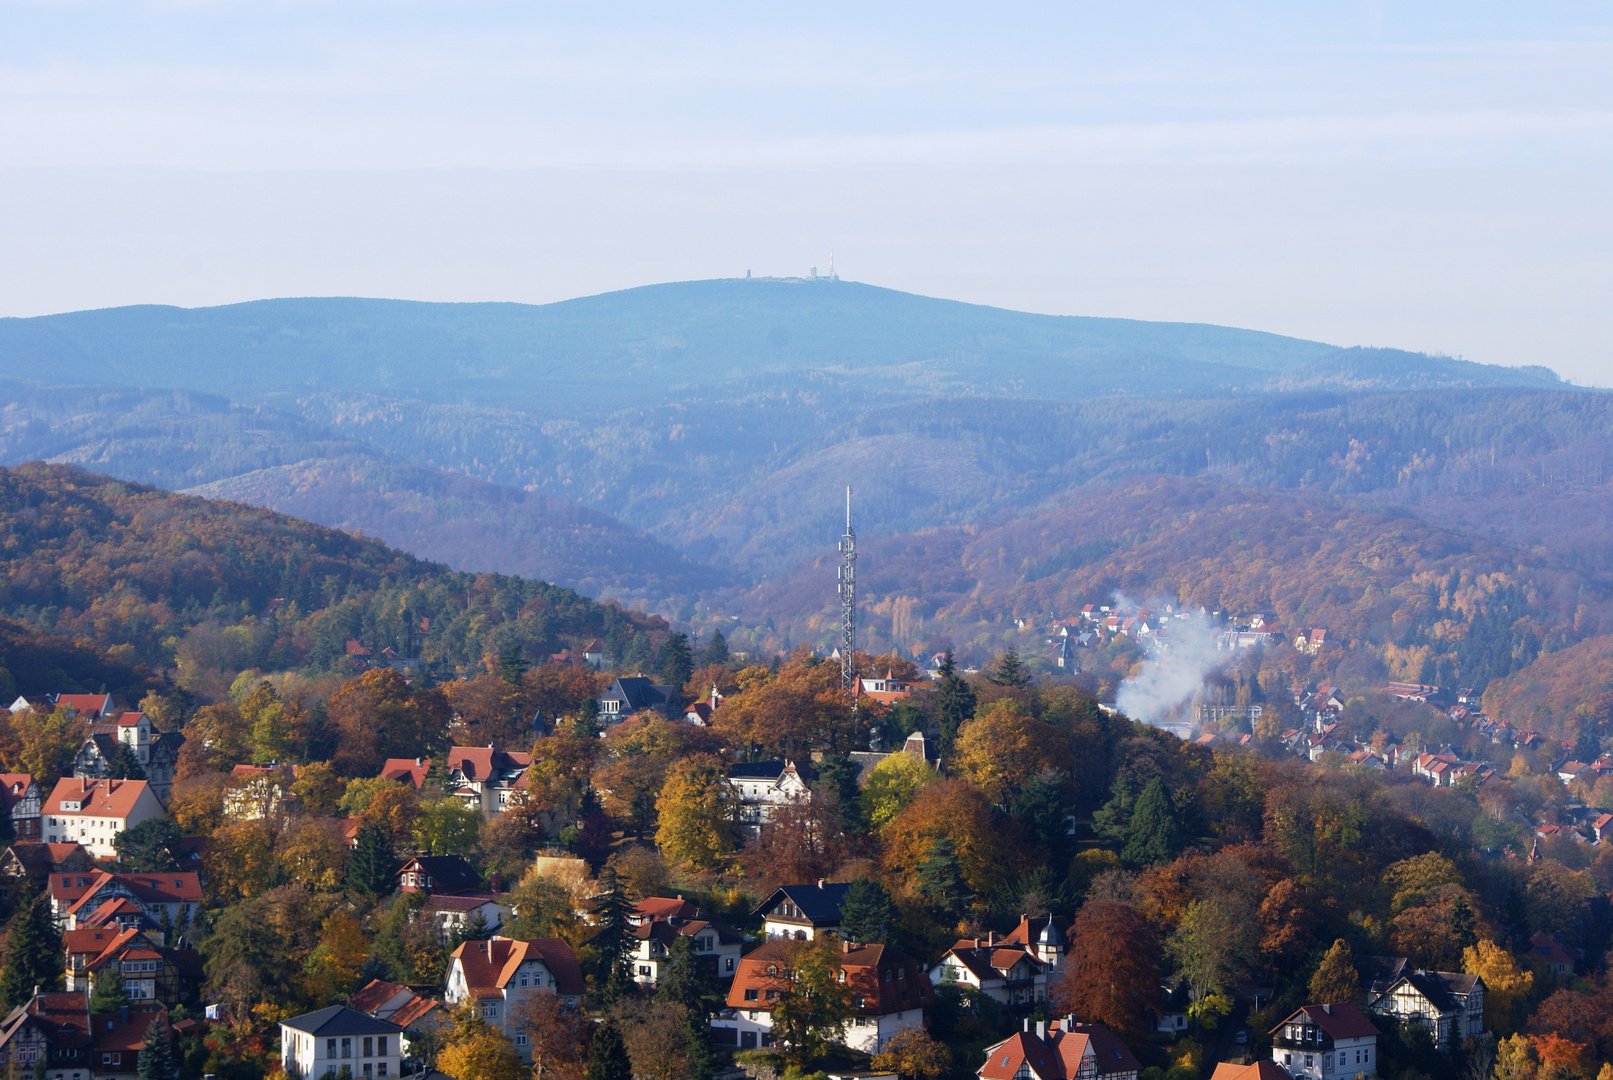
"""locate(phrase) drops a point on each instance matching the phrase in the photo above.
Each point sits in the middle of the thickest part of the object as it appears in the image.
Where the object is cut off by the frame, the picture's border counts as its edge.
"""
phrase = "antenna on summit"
(848, 607)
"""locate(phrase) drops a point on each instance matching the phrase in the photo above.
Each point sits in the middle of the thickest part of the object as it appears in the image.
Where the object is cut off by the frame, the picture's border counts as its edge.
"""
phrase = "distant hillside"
(473, 525)
(222, 586)
(1432, 604)
(686, 340)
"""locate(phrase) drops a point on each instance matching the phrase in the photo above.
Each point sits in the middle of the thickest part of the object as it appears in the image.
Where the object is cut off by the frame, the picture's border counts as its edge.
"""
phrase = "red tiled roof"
(86, 704)
(131, 719)
(661, 907)
(1054, 1057)
(99, 798)
(407, 770)
(1260, 1070)
(864, 966)
(489, 965)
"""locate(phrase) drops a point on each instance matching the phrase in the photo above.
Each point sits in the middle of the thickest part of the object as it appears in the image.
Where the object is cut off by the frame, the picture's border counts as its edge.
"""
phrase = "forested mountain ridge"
(685, 339)
(164, 579)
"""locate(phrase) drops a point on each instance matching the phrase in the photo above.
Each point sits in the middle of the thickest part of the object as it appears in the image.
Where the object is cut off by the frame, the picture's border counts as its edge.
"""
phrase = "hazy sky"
(1431, 176)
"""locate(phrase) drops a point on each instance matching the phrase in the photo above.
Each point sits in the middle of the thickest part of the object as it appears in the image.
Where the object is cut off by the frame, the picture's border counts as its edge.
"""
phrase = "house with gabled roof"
(91, 707)
(1046, 937)
(93, 812)
(889, 993)
(166, 899)
(1005, 973)
(454, 893)
(149, 972)
(486, 779)
(49, 1032)
(657, 922)
(26, 867)
(1326, 1042)
(495, 976)
(1448, 1005)
(1259, 1070)
(407, 770)
(633, 694)
(1549, 957)
(21, 801)
(802, 912)
(763, 787)
(1060, 1050)
(410, 1007)
(156, 751)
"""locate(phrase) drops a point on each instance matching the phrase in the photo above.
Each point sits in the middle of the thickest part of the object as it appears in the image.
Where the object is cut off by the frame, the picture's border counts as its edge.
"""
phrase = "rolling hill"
(689, 341)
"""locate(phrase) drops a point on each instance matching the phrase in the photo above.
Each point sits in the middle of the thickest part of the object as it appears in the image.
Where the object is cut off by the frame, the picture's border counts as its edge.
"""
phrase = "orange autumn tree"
(799, 710)
(1112, 973)
(988, 851)
(1004, 746)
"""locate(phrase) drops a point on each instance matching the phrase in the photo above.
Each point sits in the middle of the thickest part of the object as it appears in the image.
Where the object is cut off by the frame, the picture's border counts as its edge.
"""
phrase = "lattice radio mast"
(848, 606)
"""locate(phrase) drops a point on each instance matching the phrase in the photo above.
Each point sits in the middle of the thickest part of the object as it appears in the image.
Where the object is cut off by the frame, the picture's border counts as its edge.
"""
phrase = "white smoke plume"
(1172, 671)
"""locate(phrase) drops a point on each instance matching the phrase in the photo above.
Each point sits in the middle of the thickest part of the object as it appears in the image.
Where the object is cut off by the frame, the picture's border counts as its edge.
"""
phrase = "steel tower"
(848, 606)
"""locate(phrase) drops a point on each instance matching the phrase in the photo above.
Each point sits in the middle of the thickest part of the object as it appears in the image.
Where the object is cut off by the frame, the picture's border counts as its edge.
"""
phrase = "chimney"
(845, 946)
(1027, 1025)
(820, 883)
(991, 938)
(1041, 1029)
(419, 762)
(1328, 1009)
(495, 881)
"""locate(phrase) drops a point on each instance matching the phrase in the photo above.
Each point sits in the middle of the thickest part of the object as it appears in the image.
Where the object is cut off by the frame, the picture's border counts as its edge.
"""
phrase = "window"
(772, 995)
(644, 969)
(380, 1045)
(730, 964)
(369, 1069)
(330, 1047)
(1310, 1060)
(347, 1048)
(523, 980)
(369, 1046)
(520, 1040)
(380, 1068)
(750, 993)
(490, 1010)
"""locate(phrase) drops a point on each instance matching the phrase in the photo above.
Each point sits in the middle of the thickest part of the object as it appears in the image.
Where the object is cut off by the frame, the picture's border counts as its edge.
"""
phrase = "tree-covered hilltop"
(158, 578)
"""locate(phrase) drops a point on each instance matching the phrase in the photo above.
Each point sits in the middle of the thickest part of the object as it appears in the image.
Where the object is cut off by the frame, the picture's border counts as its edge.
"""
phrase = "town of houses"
(137, 926)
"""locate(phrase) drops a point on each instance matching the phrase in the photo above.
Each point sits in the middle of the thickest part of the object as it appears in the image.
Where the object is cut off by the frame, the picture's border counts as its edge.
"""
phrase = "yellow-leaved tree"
(477, 1051)
(1505, 984)
(1004, 746)
(697, 808)
(892, 784)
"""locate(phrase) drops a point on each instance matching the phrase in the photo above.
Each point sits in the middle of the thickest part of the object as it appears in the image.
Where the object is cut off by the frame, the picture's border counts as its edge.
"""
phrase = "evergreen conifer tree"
(698, 1051)
(954, 704)
(1154, 834)
(586, 723)
(1111, 820)
(157, 1052)
(688, 980)
(124, 764)
(940, 879)
(612, 942)
(607, 1055)
(512, 665)
(868, 915)
(1011, 670)
(677, 663)
(33, 953)
(716, 650)
(374, 867)
(109, 994)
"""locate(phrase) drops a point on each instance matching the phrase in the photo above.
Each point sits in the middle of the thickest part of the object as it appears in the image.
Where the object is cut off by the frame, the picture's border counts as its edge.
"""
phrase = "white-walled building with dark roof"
(320, 1043)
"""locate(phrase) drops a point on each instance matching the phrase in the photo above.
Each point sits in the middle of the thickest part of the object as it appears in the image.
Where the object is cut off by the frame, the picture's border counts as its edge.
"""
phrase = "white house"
(763, 787)
(93, 812)
(497, 975)
(1326, 1042)
(889, 993)
(321, 1043)
(1005, 973)
(1448, 1004)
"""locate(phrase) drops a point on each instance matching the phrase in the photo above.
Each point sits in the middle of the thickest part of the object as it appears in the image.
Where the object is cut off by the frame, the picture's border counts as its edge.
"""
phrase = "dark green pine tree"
(1111, 820)
(612, 941)
(512, 665)
(475, 930)
(374, 868)
(123, 764)
(586, 723)
(108, 995)
(33, 953)
(688, 979)
(868, 915)
(607, 1055)
(677, 663)
(954, 705)
(149, 847)
(697, 1048)
(1010, 670)
(157, 1060)
(1155, 832)
(940, 880)
(1042, 807)
(716, 650)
